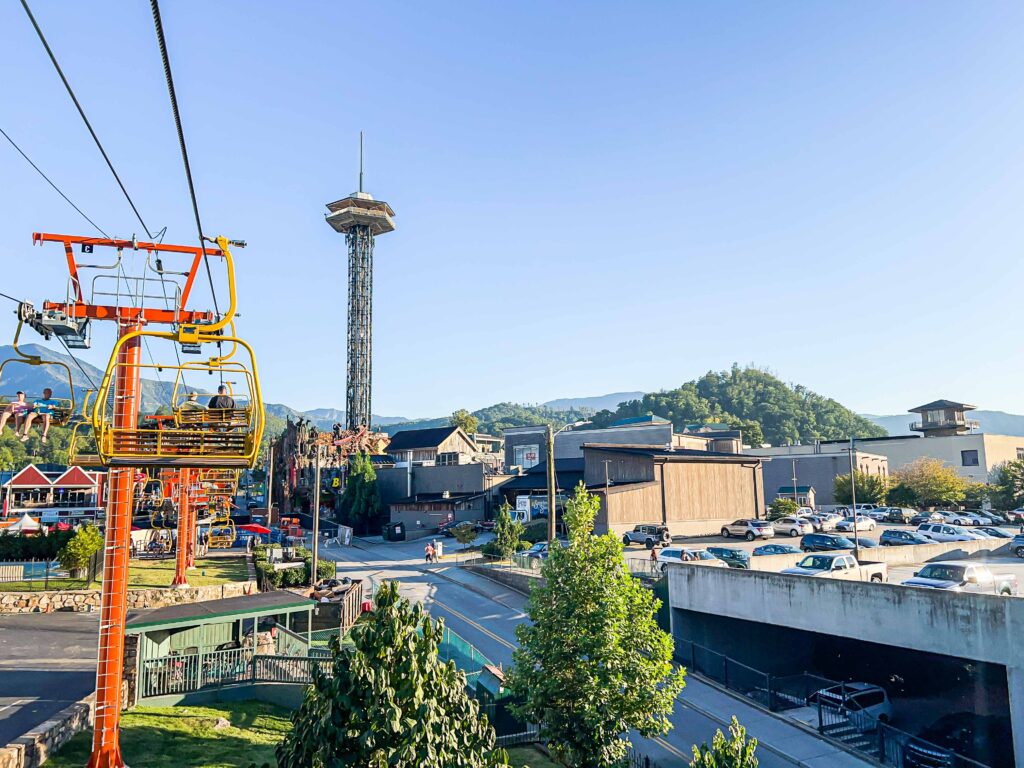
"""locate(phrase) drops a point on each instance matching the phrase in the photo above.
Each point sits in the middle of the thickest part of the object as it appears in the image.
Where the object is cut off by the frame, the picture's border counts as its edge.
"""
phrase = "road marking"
(670, 748)
(472, 623)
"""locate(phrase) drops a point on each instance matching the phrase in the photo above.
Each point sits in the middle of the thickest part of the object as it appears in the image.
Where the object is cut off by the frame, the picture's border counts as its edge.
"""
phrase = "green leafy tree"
(464, 420)
(870, 488)
(389, 702)
(782, 507)
(465, 534)
(1007, 485)
(507, 532)
(593, 664)
(361, 499)
(736, 751)
(933, 482)
(76, 555)
(976, 494)
(902, 495)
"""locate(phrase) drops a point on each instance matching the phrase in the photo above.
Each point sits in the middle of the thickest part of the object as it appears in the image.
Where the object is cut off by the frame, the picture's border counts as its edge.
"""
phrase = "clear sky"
(590, 197)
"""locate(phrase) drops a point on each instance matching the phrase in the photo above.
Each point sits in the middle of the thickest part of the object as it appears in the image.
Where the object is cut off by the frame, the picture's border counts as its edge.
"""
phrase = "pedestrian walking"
(428, 551)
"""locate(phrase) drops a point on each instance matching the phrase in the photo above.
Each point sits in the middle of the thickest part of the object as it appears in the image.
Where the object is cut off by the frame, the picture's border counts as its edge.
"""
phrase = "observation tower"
(360, 218)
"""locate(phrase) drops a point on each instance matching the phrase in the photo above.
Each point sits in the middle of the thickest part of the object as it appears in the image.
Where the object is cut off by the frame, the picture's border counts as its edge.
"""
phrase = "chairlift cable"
(81, 112)
(162, 42)
(16, 301)
(48, 181)
(71, 355)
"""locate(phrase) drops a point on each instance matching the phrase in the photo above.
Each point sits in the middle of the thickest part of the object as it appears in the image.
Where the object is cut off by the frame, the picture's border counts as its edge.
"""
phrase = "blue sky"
(590, 197)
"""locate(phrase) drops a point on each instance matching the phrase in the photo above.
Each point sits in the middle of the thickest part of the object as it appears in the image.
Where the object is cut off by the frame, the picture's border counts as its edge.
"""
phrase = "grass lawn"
(184, 737)
(152, 573)
(523, 756)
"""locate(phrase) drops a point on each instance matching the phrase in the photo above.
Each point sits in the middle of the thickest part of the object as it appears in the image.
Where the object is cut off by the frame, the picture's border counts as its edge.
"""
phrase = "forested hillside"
(764, 407)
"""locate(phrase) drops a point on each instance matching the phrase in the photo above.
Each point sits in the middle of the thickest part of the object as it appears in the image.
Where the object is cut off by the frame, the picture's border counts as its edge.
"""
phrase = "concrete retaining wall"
(89, 599)
(36, 746)
(908, 555)
(520, 581)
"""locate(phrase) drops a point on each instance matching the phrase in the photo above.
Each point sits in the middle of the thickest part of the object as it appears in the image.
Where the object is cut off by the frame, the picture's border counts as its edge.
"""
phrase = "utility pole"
(552, 530)
(268, 486)
(853, 501)
(797, 500)
(316, 519)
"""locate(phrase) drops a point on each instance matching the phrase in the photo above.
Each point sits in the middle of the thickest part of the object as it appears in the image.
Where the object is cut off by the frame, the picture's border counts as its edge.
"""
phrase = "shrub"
(782, 507)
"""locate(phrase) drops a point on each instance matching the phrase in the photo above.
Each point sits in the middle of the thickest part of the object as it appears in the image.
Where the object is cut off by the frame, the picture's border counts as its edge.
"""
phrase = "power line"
(162, 42)
(95, 138)
(50, 182)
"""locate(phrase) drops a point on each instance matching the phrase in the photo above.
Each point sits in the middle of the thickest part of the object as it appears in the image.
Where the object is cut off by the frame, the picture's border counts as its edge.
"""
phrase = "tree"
(782, 507)
(389, 702)
(592, 663)
(1007, 485)
(78, 552)
(507, 532)
(734, 752)
(976, 494)
(870, 488)
(933, 482)
(465, 420)
(902, 495)
(464, 533)
(361, 499)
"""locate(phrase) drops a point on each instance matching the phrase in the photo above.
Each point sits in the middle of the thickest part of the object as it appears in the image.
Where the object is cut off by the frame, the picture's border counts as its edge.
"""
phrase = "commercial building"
(817, 470)
(946, 434)
(53, 493)
(690, 491)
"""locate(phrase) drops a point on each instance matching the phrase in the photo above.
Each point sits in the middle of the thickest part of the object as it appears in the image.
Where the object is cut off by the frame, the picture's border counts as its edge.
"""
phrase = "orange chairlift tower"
(71, 318)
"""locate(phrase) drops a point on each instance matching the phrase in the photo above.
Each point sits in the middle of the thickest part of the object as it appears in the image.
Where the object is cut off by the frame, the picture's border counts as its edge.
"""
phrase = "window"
(969, 458)
(447, 459)
(870, 699)
(526, 456)
(1020, 453)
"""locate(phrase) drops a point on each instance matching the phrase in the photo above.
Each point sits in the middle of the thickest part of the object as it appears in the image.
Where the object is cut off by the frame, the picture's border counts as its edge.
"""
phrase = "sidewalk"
(774, 734)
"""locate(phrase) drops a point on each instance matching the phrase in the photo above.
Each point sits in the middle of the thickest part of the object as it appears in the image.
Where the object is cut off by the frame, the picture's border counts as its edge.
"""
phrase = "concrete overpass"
(975, 627)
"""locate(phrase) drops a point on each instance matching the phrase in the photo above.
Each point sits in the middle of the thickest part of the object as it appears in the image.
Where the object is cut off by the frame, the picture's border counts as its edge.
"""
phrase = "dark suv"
(897, 538)
(824, 542)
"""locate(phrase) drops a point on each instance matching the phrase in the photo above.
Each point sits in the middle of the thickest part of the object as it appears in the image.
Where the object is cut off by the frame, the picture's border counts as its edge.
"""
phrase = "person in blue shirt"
(43, 407)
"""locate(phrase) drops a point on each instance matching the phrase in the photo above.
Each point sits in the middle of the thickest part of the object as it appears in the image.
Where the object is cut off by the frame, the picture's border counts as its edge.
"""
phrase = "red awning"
(254, 528)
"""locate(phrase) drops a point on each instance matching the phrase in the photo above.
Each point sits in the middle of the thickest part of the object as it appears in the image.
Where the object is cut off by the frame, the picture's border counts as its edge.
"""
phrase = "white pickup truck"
(961, 576)
(839, 566)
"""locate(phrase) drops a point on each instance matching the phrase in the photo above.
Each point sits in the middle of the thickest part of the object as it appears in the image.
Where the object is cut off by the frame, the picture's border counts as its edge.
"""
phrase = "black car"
(734, 558)
(977, 737)
(923, 517)
(897, 538)
(898, 515)
(824, 542)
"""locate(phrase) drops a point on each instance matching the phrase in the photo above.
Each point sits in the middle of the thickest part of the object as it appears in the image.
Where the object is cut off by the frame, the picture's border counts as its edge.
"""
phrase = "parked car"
(863, 523)
(792, 526)
(865, 541)
(866, 509)
(963, 576)
(839, 566)
(1017, 545)
(749, 529)
(976, 737)
(865, 704)
(944, 532)
(824, 542)
(878, 514)
(804, 512)
(897, 538)
(823, 522)
(995, 533)
(777, 549)
(734, 558)
(926, 517)
(539, 551)
(899, 514)
(1016, 515)
(650, 536)
(965, 518)
(687, 555)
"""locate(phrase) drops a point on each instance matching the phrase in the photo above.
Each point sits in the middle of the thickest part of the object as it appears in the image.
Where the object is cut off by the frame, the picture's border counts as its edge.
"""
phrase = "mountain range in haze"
(156, 393)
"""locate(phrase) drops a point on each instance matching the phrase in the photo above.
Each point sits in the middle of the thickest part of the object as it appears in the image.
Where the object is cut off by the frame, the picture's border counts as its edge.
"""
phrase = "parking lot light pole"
(552, 479)
(853, 501)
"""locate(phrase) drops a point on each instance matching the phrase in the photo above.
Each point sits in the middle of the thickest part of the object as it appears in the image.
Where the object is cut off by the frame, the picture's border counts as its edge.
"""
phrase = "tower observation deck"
(360, 218)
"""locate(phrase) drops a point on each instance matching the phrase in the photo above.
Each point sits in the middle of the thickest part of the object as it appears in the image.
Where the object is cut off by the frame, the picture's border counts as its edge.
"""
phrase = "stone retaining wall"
(89, 599)
(36, 746)
(521, 581)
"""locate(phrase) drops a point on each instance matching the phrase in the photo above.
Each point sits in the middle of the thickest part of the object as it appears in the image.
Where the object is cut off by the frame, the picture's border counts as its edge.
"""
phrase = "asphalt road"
(486, 614)
(47, 661)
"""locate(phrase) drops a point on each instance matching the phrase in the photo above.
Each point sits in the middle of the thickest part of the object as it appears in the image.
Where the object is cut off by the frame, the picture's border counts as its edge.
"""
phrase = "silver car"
(793, 526)
(749, 529)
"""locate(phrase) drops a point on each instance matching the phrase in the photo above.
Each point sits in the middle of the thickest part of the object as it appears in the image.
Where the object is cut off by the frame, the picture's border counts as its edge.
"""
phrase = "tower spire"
(360, 161)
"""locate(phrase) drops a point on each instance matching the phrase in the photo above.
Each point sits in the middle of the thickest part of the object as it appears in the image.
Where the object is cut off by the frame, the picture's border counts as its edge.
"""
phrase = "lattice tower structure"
(360, 218)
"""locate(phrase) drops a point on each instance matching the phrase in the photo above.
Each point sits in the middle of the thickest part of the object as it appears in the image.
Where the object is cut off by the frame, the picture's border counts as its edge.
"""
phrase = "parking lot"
(1002, 564)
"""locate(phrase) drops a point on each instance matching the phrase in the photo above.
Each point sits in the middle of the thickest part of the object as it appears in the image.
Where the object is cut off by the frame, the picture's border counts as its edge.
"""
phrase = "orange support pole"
(186, 532)
(106, 745)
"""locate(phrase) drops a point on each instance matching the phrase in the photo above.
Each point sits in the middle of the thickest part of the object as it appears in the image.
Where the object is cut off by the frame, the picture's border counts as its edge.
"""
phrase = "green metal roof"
(201, 613)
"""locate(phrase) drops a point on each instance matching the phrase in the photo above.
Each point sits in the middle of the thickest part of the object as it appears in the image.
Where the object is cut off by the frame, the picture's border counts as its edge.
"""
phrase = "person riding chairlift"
(44, 407)
(222, 400)
(18, 409)
(192, 403)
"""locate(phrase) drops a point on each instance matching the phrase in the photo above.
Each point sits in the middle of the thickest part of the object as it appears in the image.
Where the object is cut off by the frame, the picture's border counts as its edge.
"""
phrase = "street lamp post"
(551, 432)
(853, 501)
(316, 519)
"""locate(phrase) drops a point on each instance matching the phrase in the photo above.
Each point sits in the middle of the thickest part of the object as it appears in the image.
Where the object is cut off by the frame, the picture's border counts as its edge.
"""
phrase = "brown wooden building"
(690, 491)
